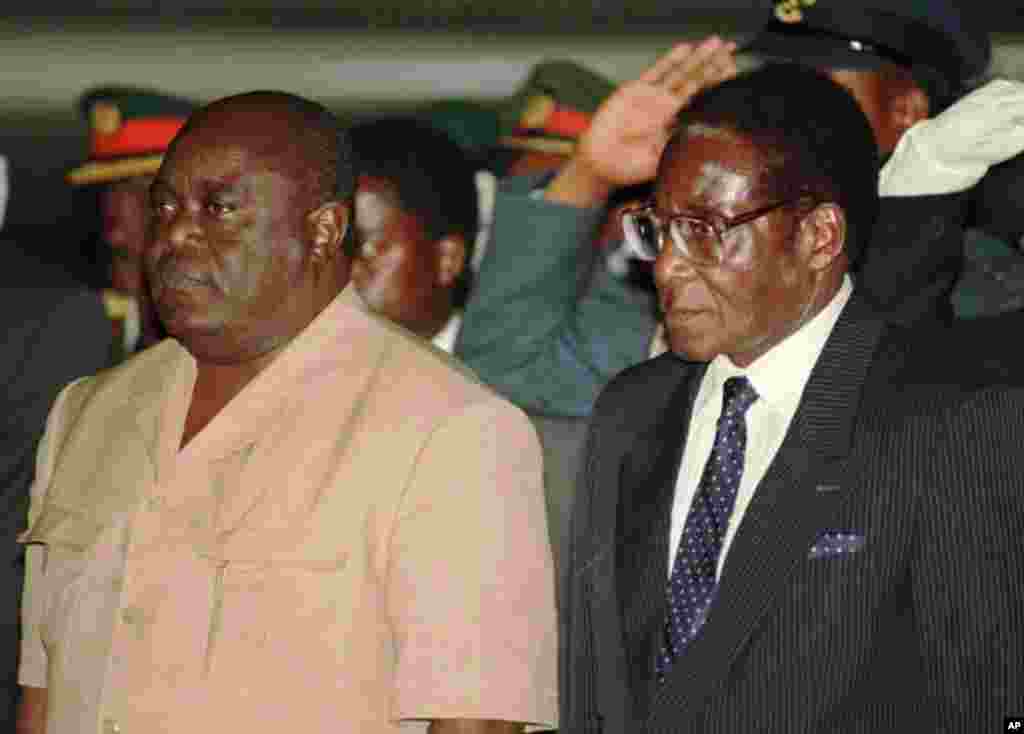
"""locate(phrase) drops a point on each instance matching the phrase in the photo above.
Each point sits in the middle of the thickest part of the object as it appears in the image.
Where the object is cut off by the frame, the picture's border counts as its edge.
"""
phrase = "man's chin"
(187, 326)
(696, 346)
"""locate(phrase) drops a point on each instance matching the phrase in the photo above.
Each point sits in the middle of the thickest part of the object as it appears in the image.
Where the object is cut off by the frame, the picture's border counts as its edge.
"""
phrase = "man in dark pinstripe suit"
(813, 524)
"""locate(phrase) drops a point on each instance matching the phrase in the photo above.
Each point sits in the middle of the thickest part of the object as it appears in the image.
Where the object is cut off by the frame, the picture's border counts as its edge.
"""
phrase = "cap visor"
(114, 170)
(822, 53)
(537, 144)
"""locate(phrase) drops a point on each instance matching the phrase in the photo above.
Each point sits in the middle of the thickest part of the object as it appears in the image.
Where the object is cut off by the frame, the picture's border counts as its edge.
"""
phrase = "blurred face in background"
(889, 98)
(124, 206)
(400, 272)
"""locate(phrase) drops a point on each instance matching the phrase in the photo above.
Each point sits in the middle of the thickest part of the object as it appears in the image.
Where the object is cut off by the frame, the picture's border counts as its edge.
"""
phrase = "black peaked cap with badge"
(944, 48)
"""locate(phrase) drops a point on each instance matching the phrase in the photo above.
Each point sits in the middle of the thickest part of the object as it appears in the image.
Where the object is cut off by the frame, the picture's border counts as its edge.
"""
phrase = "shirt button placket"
(131, 617)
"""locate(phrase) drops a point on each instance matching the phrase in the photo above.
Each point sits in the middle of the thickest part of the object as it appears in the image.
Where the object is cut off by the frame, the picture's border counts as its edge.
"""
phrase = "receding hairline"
(302, 141)
(264, 101)
(767, 158)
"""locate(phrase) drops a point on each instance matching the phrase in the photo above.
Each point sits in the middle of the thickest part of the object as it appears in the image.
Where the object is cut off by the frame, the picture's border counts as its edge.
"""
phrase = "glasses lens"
(641, 230)
(696, 239)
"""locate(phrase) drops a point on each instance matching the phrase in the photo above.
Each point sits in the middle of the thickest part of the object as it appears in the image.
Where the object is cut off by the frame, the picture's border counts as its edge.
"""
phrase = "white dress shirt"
(445, 339)
(486, 193)
(779, 376)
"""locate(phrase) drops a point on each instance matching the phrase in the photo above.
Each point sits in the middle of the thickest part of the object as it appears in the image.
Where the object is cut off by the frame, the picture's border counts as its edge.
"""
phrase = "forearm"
(472, 726)
(32, 711)
(528, 283)
(561, 370)
(577, 184)
(952, 151)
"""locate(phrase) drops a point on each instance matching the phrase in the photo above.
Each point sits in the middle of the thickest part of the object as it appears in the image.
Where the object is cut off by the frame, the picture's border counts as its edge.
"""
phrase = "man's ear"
(823, 235)
(908, 106)
(451, 259)
(327, 226)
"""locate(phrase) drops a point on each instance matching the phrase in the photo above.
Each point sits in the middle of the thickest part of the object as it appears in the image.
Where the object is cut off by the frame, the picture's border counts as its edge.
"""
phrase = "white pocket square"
(836, 543)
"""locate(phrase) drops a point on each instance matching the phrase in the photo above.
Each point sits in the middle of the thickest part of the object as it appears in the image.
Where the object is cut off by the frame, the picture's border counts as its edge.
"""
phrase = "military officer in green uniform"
(129, 130)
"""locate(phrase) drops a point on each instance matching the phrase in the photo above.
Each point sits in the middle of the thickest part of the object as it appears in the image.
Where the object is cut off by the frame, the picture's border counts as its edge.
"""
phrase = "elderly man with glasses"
(556, 346)
(788, 522)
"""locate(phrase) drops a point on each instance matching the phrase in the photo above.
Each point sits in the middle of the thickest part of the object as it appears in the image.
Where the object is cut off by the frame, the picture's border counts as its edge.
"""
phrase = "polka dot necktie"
(692, 585)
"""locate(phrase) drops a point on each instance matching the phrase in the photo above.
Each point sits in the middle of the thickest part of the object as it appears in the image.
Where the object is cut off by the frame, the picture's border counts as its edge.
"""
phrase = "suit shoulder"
(145, 366)
(935, 368)
(635, 383)
(423, 366)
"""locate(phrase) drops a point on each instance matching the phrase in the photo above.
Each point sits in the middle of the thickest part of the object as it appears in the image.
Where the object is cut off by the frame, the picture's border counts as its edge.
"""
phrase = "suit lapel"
(801, 490)
(646, 488)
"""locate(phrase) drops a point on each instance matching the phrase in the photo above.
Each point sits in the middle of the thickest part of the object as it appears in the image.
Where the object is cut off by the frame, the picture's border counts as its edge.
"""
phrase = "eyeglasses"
(698, 240)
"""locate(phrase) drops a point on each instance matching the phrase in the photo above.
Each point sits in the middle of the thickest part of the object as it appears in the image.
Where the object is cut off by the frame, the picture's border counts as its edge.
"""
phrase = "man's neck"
(435, 318)
(216, 385)
(224, 368)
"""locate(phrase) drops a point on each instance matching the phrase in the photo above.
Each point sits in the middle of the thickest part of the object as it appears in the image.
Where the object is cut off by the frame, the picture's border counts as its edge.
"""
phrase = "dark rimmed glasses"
(701, 241)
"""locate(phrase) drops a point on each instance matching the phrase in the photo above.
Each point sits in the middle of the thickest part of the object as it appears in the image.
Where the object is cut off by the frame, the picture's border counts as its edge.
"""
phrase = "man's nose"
(182, 230)
(114, 230)
(670, 265)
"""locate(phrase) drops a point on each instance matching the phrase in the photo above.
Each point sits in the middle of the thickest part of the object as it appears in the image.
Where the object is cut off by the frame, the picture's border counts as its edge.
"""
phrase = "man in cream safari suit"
(291, 515)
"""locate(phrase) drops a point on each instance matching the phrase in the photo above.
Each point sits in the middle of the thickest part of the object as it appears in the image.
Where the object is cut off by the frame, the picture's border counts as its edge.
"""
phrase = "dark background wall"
(359, 58)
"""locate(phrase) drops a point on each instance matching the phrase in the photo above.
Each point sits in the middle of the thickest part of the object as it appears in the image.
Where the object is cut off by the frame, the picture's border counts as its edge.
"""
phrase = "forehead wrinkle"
(765, 166)
(202, 166)
(719, 183)
(254, 131)
(715, 132)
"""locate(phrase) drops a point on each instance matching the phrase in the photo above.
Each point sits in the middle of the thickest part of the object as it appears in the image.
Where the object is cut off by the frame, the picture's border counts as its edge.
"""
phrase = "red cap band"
(562, 122)
(143, 135)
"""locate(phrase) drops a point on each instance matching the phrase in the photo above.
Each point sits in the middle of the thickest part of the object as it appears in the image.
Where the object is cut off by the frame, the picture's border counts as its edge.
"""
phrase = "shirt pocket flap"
(58, 525)
(306, 549)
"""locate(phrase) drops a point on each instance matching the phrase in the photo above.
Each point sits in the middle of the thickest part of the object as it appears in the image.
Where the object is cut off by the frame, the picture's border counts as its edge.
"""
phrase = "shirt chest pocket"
(273, 602)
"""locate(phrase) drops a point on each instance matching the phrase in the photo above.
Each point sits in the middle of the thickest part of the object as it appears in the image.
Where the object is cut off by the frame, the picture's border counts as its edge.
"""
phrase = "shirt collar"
(445, 339)
(781, 373)
(338, 338)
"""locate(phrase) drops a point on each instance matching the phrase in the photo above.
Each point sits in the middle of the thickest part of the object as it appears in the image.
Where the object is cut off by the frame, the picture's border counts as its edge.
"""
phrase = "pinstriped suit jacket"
(896, 439)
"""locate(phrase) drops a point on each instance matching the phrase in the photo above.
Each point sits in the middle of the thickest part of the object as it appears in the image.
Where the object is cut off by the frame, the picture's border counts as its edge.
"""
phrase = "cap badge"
(536, 112)
(791, 11)
(105, 118)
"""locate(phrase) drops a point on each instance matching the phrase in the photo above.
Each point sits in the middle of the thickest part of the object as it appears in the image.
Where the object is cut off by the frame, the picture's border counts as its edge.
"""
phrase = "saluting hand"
(626, 136)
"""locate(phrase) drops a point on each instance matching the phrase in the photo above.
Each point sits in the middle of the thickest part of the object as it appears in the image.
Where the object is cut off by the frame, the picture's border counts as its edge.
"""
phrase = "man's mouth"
(178, 279)
(681, 314)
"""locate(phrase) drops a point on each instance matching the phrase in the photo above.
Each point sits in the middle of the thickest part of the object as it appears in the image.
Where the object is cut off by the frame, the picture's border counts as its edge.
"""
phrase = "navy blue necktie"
(692, 585)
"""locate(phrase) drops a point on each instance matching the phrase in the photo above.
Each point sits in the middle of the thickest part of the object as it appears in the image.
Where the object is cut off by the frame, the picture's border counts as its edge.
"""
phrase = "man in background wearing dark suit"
(54, 330)
(814, 525)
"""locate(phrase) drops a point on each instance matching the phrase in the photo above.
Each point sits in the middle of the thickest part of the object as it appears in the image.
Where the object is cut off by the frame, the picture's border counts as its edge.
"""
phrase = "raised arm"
(916, 256)
(624, 141)
(530, 330)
